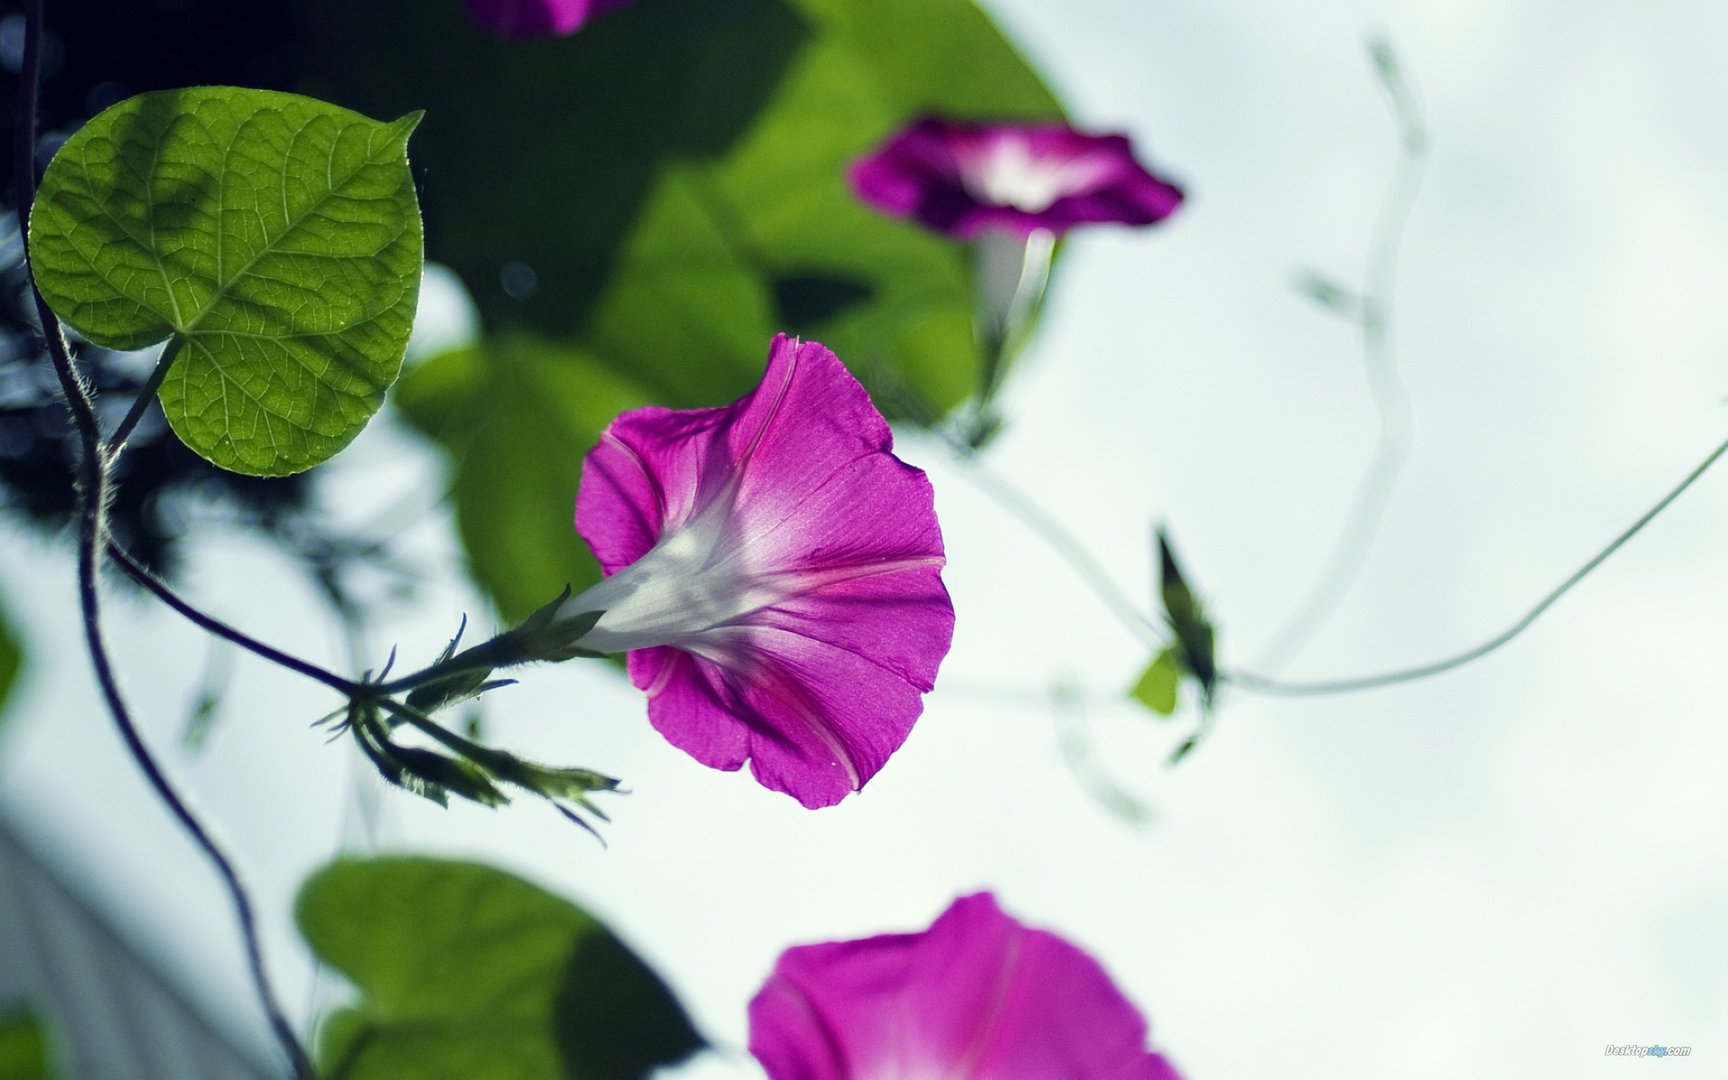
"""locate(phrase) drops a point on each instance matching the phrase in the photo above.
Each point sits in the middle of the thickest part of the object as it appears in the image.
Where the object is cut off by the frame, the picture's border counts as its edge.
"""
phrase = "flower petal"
(816, 721)
(692, 703)
(976, 997)
(533, 18)
(819, 618)
(962, 179)
(643, 478)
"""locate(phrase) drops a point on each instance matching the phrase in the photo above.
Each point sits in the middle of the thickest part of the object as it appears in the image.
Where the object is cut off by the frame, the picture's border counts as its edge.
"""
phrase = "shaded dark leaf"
(468, 973)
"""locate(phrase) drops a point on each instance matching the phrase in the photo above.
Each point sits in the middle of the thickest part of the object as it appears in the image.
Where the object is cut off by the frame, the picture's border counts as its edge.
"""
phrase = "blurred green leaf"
(1156, 688)
(517, 414)
(274, 239)
(23, 1047)
(1185, 747)
(1326, 292)
(207, 705)
(661, 194)
(468, 973)
(11, 661)
(1195, 638)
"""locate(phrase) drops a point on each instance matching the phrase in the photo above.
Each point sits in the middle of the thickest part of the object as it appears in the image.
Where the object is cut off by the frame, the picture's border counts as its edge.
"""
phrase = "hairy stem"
(146, 395)
(92, 481)
(212, 625)
(493, 653)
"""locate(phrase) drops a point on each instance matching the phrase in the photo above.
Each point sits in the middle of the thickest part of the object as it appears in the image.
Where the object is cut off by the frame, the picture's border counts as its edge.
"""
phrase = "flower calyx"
(449, 764)
(552, 633)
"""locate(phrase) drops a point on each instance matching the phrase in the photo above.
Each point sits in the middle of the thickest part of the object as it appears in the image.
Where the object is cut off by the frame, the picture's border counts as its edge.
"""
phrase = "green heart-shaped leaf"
(468, 973)
(275, 239)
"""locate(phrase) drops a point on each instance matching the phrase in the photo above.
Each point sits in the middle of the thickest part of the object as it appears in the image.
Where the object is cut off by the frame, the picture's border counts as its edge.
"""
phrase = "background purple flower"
(977, 996)
(961, 178)
(534, 18)
(774, 573)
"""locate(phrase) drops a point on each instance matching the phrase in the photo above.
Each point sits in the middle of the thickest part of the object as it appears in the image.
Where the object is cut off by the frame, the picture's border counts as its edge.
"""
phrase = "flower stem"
(1374, 314)
(212, 625)
(92, 484)
(1262, 684)
(487, 656)
(490, 654)
(1068, 711)
(1065, 544)
(146, 394)
(1011, 273)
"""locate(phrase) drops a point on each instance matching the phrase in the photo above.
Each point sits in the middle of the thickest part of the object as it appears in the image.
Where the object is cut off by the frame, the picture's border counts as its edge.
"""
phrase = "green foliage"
(11, 661)
(1156, 687)
(273, 240)
(517, 414)
(23, 1047)
(468, 769)
(1195, 637)
(468, 973)
(207, 705)
(674, 179)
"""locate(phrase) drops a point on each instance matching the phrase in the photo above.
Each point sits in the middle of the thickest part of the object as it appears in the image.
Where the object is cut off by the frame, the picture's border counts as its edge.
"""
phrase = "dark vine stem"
(1262, 684)
(212, 625)
(500, 651)
(92, 494)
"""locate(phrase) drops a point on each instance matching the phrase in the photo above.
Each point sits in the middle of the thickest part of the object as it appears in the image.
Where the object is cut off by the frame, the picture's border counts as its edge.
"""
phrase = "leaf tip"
(404, 125)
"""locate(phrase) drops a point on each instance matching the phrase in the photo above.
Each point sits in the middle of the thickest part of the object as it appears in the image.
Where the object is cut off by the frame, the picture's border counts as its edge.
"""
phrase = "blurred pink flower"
(535, 18)
(962, 179)
(977, 996)
(774, 574)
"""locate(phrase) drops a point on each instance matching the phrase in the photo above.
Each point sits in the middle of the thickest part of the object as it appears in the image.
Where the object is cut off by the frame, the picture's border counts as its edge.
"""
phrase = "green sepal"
(1156, 687)
(543, 636)
(451, 774)
(454, 689)
(426, 773)
(1187, 617)
(555, 785)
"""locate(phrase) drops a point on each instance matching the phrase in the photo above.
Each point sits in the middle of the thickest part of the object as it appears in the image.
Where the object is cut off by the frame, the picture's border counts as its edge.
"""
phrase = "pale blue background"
(1494, 874)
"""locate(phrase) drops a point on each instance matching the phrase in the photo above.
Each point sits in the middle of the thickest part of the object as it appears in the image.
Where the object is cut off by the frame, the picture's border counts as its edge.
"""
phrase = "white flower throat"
(696, 578)
(1008, 174)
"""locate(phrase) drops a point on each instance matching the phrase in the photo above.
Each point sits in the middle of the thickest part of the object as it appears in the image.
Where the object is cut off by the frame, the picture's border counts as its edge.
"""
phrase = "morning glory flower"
(534, 18)
(977, 995)
(966, 178)
(1011, 189)
(774, 573)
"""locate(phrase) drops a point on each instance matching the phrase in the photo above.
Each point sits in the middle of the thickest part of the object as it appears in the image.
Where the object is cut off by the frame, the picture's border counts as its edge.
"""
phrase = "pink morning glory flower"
(977, 996)
(774, 573)
(534, 18)
(965, 178)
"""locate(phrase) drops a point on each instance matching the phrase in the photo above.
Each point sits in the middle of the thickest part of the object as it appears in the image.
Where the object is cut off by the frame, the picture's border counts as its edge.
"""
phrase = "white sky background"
(1494, 873)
